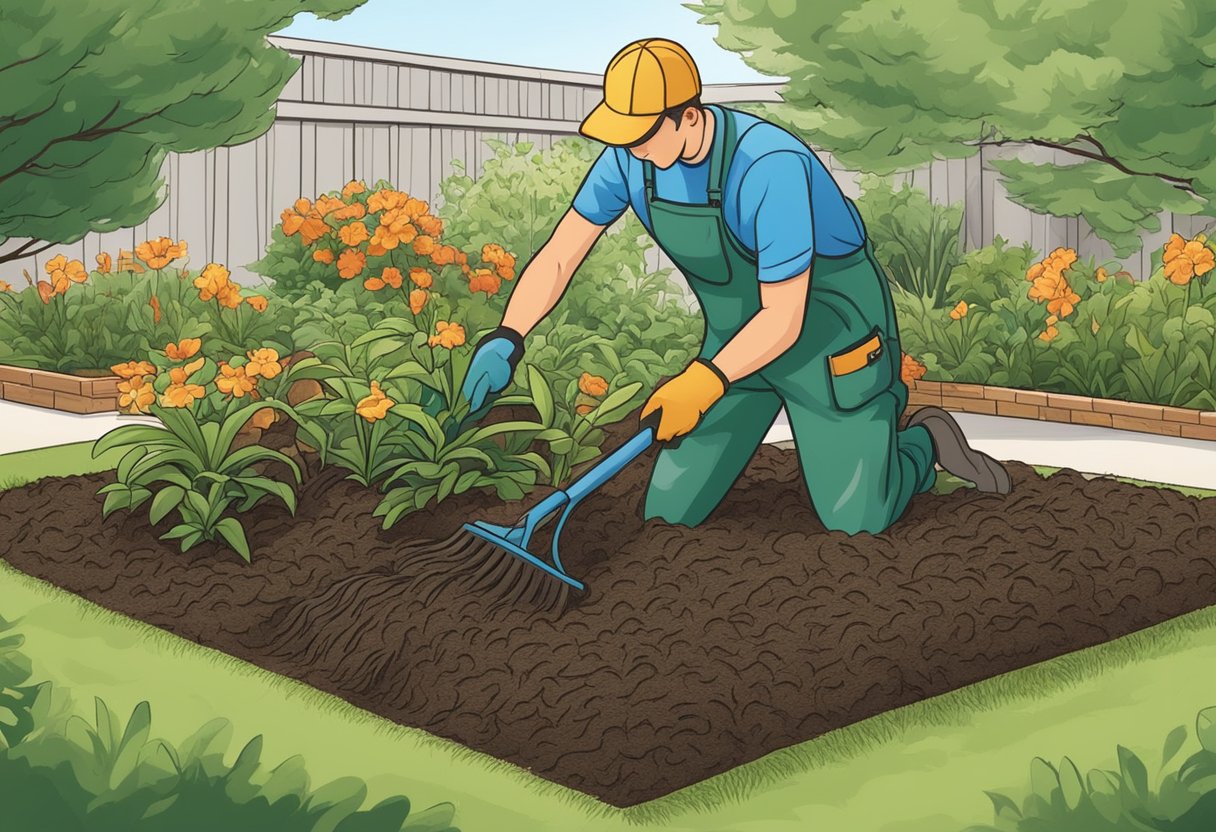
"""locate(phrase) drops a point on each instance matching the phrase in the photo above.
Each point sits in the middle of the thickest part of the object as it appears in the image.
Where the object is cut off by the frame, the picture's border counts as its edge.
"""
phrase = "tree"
(93, 95)
(1126, 88)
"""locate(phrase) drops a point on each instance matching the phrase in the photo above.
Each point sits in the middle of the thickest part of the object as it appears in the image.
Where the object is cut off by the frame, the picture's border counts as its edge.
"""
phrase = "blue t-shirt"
(778, 199)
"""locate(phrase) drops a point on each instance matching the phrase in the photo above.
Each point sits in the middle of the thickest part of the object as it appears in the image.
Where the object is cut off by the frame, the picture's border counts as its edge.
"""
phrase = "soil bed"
(695, 650)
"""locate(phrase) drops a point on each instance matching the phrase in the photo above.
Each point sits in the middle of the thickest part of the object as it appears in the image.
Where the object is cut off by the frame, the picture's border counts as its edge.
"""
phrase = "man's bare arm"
(770, 332)
(547, 274)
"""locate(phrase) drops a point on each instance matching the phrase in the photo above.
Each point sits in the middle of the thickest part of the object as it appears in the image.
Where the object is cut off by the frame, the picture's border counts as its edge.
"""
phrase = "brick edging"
(60, 391)
(1061, 407)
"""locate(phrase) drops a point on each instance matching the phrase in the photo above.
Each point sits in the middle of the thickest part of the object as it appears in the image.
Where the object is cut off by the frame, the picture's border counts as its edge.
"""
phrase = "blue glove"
(492, 366)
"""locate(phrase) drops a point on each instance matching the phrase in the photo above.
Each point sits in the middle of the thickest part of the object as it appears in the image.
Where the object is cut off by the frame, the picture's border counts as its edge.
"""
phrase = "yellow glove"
(682, 401)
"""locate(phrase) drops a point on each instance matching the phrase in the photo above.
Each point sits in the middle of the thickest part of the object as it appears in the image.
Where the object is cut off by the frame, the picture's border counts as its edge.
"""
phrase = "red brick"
(1083, 417)
(968, 405)
(1156, 426)
(1031, 397)
(1185, 415)
(29, 395)
(59, 382)
(962, 391)
(16, 375)
(1133, 410)
(1020, 411)
(1055, 414)
(1000, 394)
(1067, 402)
(1199, 432)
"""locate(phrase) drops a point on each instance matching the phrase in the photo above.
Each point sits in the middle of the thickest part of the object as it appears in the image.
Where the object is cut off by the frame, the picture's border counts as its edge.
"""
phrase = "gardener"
(797, 311)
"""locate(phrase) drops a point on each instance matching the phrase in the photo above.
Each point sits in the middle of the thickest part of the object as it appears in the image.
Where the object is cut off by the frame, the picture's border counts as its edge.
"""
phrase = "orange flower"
(186, 348)
(350, 263)
(160, 252)
(5, 286)
(234, 381)
(1183, 259)
(394, 229)
(104, 263)
(211, 282)
(462, 258)
(351, 188)
(424, 245)
(505, 272)
(375, 250)
(583, 409)
(431, 226)
(131, 369)
(323, 255)
(135, 394)
(1100, 275)
(258, 302)
(64, 273)
(418, 299)
(1048, 335)
(491, 252)
(385, 199)
(263, 362)
(910, 369)
(592, 385)
(960, 311)
(450, 335)
(179, 375)
(45, 291)
(374, 407)
(306, 219)
(415, 208)
(327, 205)
(353, 234)
(154, 302)
(443, 255)
(181, 395)
(421, 278)
(1051, 287)
(484, 280)
(389, 277)
(354, 211)
(230, 296)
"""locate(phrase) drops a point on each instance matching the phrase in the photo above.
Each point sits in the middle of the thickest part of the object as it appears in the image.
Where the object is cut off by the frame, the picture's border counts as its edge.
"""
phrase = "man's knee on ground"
(673, 505)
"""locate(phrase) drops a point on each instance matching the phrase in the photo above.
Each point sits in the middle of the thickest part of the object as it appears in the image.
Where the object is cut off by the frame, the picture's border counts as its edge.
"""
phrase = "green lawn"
(922, 768)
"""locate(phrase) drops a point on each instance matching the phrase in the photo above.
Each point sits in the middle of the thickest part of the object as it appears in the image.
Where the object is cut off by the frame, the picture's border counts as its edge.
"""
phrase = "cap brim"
(610, 127)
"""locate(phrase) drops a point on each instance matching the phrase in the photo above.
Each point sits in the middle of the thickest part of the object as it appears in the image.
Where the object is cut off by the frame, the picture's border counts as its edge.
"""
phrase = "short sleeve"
(776, 191)
(604, 194)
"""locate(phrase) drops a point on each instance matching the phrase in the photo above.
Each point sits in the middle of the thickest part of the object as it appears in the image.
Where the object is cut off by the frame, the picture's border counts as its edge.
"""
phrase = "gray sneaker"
(956, 456)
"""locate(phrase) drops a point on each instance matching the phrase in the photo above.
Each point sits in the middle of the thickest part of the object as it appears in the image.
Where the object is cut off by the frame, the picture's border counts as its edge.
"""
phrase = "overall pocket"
(861, 371)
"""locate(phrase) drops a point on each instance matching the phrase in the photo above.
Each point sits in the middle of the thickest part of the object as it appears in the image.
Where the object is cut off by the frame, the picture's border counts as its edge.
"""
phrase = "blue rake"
(525, 576)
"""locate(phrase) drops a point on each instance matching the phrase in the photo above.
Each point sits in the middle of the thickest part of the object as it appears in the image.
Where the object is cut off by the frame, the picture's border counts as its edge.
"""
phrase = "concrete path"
(23, 427)
(1090, 450)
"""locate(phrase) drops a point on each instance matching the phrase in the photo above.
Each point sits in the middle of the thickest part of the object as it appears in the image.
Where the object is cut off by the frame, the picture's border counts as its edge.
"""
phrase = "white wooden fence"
(359, 113)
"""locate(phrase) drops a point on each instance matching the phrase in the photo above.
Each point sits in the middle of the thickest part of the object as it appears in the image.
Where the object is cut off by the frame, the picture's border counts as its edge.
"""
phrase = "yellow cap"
(643, 80)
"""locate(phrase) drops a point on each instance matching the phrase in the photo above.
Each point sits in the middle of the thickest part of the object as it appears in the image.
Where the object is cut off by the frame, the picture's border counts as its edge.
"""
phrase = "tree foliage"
(94, 95)
(1126, 89)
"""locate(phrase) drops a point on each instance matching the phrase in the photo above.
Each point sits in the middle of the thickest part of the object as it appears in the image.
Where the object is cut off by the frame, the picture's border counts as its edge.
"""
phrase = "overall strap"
(719, 158)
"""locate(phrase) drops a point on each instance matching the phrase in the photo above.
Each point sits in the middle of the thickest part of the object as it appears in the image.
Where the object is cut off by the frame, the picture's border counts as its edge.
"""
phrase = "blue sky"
(544, 33)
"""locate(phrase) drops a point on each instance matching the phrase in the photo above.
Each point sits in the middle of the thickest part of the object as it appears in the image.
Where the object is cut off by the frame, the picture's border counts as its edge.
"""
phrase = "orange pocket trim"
(856, 358)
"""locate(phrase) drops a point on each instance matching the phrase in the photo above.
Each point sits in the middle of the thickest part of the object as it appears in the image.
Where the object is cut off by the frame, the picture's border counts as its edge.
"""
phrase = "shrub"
(70, 774)
(1062, 800)
(918, 241)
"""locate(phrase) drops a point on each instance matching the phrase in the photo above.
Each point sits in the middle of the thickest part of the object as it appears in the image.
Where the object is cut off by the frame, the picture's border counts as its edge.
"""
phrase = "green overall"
(839, 382)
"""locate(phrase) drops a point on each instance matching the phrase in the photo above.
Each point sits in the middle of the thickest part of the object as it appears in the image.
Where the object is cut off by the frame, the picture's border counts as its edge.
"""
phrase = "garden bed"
(96, 393)
(695, 651)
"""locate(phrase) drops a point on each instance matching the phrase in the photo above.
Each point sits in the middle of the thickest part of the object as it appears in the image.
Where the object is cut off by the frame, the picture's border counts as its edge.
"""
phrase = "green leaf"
(1070, 784)
(1173, 743)
(542, 398)
(165, 501)
(1135, 775)
(234, 535)
(1205, 729)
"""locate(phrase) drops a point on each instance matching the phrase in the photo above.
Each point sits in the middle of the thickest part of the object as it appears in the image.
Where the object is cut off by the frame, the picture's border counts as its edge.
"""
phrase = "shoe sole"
(960, 459)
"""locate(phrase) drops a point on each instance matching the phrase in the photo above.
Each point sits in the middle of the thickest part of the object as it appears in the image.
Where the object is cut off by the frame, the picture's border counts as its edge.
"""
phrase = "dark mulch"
(695, 651)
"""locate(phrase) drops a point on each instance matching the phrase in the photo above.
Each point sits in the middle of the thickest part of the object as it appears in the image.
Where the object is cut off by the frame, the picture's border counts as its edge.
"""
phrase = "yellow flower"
(263, 362)
(1100, 275)
(179, 375)
(233, 381)
(959, 311)
(418, 299)
(160, 252)
(131, 369)
(104, 263)
(353, 234)
(258, 302)
(592, 385)
(211, 282)
(135, 394)
(374, 407)
(350, 263)
(450, 335)
(183, 349)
